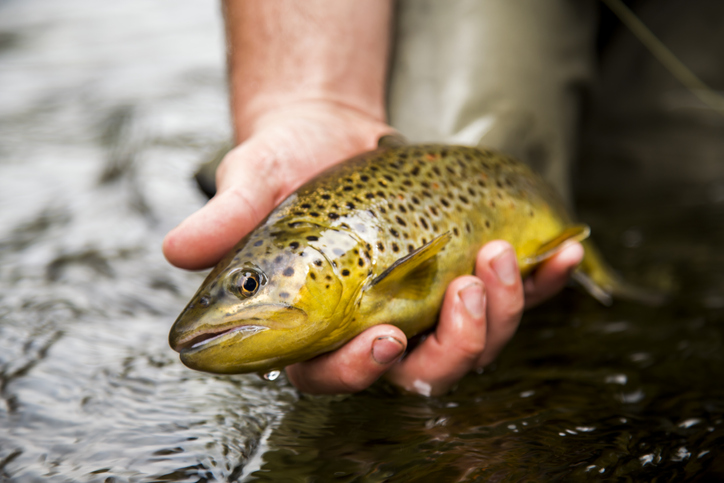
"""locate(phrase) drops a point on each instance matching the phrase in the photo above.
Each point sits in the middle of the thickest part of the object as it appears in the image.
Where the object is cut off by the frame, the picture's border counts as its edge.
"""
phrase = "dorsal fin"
(395, 140)
(411, 276)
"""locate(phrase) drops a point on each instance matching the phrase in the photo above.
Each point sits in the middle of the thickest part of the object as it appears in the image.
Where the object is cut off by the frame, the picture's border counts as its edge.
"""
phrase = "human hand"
(286, 147)
(479, 316)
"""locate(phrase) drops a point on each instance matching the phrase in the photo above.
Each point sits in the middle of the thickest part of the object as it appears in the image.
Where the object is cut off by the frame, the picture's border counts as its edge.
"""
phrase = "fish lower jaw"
(209, 339)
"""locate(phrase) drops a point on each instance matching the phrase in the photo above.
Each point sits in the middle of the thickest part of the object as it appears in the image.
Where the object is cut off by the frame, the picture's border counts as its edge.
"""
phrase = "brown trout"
(375, 239)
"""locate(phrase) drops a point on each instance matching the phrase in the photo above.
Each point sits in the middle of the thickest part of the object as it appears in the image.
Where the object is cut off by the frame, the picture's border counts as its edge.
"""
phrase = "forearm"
(284, 52)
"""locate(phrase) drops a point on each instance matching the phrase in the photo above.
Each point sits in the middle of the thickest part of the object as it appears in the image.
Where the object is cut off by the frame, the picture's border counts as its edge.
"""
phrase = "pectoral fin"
(411, 277)
(553, 246)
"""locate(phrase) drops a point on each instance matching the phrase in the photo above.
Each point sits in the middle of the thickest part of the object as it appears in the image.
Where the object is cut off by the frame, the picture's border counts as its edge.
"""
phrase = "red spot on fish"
(435, 185)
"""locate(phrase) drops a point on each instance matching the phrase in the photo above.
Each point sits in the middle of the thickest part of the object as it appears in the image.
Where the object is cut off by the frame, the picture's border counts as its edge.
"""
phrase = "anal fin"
(575, 233)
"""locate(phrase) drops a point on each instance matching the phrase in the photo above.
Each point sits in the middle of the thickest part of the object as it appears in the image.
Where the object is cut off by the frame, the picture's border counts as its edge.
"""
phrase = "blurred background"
(106, 111)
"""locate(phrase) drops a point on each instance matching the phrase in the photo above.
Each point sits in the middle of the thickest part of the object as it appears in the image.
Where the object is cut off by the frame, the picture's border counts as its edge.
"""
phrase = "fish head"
(271, 302)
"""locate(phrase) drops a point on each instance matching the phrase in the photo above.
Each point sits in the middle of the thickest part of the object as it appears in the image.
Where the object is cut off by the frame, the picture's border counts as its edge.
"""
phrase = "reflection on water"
(105, 112)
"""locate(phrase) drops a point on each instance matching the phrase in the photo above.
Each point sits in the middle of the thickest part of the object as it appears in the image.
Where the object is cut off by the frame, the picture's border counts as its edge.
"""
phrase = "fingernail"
(505, 267)
(472, 297)
(386, 349)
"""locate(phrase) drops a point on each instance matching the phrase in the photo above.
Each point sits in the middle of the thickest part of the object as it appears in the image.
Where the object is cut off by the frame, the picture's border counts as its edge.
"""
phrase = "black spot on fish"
(400, 221)
(257, 244)
(326, 196)
(433, 210)
(345, 273)
(294, 245)
(410, 249)
(313, 275)
(298, 213)
(415, 171)
(204, 301)
(312, 238)
(328, 277)
(425, 184)
(318, 263)
(348, 188)
(450, 170)
(394, 233)
(380, 247)
(389, 178)
(278, 259)
(372, 213)
(463, 199)
(395, 248)
(424, 241)
(360, 262)
(369, 196)
(350, 206)
(326, 286)
(402, 208)
(498, 184)
(407, 182)
(481, 183)
(445, 202)
(436, 170)
(314, 214)
(443, 153)
(415, 200)
(332, 216)
(382, 183)
(487, 224)
(383, 210)
(467, 227)
(364, 178)
(288, 272)
(306, 206)
(424, 223)
(455, 231)
(381, 194)
(471, 192)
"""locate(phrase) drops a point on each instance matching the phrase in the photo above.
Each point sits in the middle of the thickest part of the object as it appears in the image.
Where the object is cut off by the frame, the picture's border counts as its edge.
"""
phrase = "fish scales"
(373, 240)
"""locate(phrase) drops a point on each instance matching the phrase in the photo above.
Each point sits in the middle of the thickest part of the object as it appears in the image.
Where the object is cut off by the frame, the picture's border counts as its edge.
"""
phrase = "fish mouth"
(198, 342)
(195, 333)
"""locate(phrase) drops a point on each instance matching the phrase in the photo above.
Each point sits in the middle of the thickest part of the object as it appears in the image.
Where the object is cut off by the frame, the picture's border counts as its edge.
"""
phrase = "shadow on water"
(99, 140)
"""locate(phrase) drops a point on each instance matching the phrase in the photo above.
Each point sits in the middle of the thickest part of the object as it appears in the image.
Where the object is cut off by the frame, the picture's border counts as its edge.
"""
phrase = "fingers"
(452, 350)
(552, 276)
(497, 267)
(354, 366)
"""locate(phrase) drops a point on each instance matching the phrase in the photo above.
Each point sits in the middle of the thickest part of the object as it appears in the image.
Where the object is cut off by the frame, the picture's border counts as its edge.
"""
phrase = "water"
(105, 112)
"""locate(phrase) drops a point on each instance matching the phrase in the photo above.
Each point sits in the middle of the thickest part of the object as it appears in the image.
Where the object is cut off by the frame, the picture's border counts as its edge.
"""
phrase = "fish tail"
(604, 284)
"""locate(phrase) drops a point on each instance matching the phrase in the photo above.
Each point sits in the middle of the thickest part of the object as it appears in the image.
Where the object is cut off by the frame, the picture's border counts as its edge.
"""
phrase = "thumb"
(243, 200)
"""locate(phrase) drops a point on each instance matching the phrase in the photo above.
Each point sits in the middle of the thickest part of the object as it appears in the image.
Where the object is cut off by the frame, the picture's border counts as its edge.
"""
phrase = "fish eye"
(246, 283)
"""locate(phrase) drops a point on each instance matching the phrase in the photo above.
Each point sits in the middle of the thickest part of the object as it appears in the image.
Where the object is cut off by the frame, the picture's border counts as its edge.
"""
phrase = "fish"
(375, 239)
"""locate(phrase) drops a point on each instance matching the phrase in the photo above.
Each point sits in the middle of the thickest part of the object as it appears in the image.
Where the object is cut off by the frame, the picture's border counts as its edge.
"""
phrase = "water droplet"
(271, 375)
